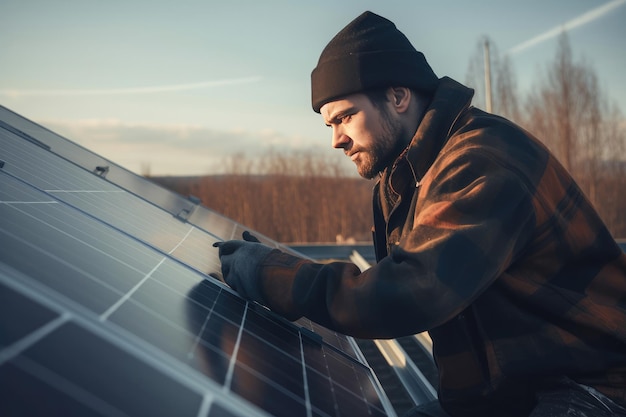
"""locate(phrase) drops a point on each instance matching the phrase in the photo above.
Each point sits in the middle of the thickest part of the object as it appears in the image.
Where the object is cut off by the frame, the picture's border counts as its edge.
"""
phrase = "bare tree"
(504, 97)
(611, 171)
(564, 109)
(571, 115)
(505, 89)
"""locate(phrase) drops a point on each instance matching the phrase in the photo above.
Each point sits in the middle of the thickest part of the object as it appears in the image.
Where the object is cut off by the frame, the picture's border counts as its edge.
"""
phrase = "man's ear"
(400, 98)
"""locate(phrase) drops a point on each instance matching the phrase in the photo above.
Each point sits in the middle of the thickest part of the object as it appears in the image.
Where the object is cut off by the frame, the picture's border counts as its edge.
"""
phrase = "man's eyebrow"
(339, 114)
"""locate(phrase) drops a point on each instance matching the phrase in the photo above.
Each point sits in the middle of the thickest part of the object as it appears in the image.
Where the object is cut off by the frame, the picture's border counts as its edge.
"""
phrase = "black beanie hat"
(370, 52)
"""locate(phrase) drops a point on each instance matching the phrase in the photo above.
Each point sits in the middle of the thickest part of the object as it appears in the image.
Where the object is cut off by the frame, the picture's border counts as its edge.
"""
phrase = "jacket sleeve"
(473, 215)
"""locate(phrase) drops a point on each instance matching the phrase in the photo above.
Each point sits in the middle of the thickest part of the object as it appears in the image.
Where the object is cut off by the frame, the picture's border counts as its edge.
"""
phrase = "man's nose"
(340, 139)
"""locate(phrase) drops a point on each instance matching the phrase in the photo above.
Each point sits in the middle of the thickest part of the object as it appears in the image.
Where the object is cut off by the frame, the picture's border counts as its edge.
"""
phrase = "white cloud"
(129, 90)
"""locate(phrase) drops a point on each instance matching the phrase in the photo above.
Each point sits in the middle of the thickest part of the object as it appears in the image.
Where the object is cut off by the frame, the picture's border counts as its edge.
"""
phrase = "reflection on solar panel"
(106, 307)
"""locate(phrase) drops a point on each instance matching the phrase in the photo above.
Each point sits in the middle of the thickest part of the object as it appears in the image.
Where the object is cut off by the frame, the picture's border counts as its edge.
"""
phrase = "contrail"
(131, 90)
(572, 24)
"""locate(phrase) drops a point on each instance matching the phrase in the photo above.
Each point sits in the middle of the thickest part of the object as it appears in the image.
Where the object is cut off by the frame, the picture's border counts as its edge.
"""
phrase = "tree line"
(295, 197)
(304, 197)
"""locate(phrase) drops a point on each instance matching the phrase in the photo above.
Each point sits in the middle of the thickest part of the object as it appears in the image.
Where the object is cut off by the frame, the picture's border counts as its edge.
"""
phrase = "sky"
(175, 88)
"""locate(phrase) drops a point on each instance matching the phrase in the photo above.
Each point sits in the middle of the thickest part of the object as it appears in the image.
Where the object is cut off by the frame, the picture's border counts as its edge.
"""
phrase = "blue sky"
(177, 86)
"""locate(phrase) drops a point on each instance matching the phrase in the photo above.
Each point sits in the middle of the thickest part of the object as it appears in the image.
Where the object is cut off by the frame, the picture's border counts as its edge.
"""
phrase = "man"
(481, 238)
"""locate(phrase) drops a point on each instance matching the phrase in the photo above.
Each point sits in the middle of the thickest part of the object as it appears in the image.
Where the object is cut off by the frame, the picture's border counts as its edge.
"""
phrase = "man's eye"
(346, 118)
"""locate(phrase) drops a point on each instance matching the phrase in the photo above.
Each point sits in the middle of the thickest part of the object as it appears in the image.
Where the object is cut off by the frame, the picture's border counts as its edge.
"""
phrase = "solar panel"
(107, 308)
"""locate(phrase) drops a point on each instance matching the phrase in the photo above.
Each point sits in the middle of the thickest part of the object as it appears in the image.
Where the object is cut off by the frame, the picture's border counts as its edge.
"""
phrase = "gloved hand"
(240, 259)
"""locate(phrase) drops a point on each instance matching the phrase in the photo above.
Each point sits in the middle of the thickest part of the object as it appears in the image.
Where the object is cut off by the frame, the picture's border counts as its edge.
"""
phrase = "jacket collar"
(450, 100)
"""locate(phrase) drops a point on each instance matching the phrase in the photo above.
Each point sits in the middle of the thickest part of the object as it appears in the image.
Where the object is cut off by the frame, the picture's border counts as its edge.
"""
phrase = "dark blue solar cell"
(24, 394)
(350, 404)
(262, 391)
(321, 393)
(19, 316)
(230, 306)
(344, 371)
(95, 365)
(210, 327)
(263, 358)
(283, 337)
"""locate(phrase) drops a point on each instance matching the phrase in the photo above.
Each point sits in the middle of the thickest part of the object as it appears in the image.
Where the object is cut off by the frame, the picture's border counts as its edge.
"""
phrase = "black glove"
(240, 259)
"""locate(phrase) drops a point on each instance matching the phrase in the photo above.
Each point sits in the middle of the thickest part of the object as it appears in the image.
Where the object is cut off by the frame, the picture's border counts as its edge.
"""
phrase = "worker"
(482, 239)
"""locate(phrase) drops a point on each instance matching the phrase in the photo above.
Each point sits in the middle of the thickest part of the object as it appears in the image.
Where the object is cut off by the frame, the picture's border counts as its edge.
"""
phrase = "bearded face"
(371, 136)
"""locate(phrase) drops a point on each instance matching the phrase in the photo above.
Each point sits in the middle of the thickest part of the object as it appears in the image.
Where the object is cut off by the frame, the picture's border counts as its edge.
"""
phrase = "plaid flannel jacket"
(484, 240)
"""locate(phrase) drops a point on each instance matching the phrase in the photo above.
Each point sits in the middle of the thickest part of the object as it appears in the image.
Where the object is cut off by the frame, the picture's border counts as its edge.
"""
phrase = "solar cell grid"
(112, 297)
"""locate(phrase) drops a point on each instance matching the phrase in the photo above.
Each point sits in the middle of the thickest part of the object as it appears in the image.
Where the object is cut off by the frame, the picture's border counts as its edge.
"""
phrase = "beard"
(384, 151)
